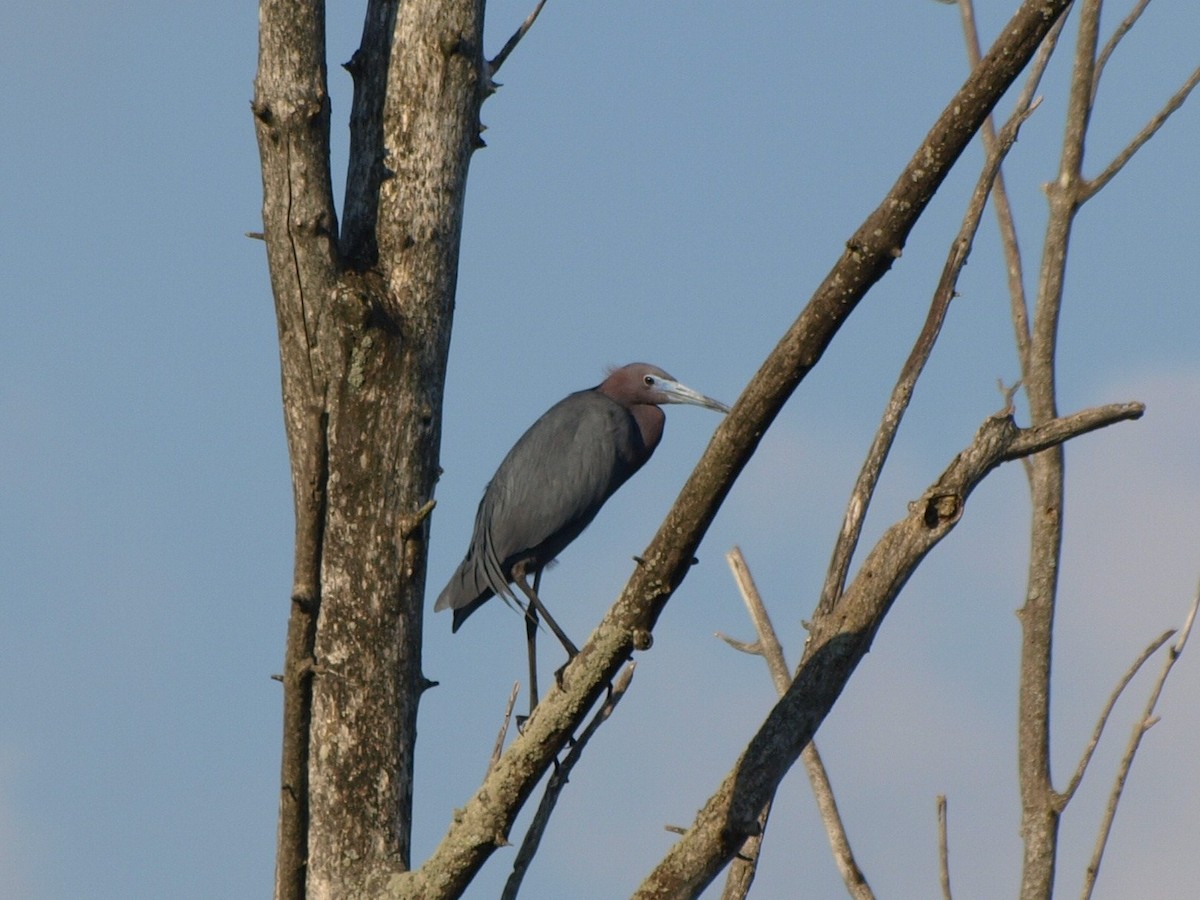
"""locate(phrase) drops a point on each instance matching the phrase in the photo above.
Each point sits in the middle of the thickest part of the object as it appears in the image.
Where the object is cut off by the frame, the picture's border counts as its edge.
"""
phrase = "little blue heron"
(551, 485)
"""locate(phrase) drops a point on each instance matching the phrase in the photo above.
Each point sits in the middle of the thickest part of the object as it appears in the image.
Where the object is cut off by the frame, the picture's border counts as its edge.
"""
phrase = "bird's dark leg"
(531, 628)
(536, 603)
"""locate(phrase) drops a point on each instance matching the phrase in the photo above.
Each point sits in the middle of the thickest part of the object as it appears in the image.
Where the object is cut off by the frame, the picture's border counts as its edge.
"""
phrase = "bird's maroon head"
(641, 384)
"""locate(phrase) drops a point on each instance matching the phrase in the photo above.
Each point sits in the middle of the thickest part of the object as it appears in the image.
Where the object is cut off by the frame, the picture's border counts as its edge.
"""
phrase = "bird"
(550, 486)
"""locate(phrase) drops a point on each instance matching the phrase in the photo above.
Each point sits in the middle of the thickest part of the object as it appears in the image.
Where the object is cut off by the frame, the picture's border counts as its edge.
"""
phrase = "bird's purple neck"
(650, 421)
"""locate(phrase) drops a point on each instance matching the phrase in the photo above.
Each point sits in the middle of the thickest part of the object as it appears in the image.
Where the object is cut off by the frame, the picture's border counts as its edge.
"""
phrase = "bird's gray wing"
(546, 491)
(558, 475)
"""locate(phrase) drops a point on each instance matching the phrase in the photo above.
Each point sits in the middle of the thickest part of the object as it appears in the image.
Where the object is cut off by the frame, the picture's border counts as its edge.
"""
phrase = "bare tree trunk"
(364, 333)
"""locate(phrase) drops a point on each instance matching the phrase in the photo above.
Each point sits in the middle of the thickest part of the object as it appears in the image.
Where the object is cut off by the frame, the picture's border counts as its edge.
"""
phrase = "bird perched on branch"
(551, 485)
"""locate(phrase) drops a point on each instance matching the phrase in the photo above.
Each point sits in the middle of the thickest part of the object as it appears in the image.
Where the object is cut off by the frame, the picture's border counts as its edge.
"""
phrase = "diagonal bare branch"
(1004, 215)
(745, 864)
(1144, 724)
(768, 640)
(741, 872)
(558, 781)
(511, 44)
(885, 435)
(852, 874)
(838, 641)
(503, 733)
(1054, 433)
(1098, 731)
(1111, 44)
(1091, 187)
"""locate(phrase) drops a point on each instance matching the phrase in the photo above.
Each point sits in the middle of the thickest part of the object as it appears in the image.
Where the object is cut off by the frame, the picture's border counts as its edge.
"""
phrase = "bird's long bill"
(680, 393)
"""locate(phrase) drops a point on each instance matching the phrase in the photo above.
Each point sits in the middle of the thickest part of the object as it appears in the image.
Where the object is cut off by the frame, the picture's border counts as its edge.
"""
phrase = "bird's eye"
(649, 379)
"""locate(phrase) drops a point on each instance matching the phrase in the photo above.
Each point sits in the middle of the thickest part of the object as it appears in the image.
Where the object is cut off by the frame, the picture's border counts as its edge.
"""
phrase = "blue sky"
(663, 182)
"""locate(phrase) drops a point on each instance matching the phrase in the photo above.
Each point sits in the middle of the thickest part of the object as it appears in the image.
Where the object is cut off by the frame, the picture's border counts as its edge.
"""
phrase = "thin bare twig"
(771, 650)
(1133, 669)
(839, 841)
(1058, 431)
(741, 872)
(1089, 188)
(943, 847)
(754, 648)
(1186, 630)
(744, 866)
(1004, 214)
(558, 781)
(1144, 724)
(1111, 44)
(498, 60)
(498, 747)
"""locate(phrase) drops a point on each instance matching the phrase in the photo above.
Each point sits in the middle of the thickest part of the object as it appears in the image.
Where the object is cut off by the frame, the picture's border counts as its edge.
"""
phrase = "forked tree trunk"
(364, 329)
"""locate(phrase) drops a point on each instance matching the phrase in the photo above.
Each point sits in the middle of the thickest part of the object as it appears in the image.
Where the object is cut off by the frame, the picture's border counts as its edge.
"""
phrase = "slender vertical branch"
(1041, 806)
(291, 117)
(1036, 348)
(367, 165)
(498, 747)
(943, 847)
